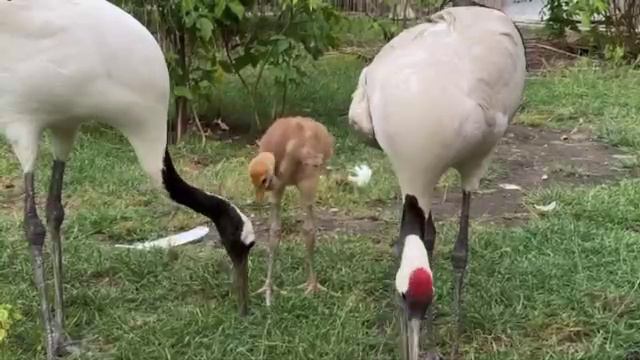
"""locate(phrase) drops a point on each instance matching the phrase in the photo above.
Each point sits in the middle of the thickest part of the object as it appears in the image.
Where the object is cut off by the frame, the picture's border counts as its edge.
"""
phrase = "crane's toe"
(312, 286)
(268, 290)
(66, 346)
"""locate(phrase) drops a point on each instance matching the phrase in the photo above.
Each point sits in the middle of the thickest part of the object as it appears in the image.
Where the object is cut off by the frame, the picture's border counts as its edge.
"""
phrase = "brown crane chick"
(293, 151)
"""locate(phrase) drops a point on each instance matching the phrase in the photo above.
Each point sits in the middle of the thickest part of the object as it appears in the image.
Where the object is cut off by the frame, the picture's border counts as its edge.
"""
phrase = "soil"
(531, 158)
(544, 53)
(535, 158)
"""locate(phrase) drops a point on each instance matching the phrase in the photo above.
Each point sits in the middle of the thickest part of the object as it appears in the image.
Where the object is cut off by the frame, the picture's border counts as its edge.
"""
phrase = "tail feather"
(359, 114)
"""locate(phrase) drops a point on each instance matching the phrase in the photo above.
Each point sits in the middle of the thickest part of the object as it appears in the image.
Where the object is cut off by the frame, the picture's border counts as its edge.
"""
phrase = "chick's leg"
(275, 232)
(308, 189)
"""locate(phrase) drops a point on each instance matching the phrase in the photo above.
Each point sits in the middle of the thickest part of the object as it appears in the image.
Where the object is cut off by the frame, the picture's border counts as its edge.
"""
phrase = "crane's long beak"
(413, 338)
(241, 282)
(410, 338)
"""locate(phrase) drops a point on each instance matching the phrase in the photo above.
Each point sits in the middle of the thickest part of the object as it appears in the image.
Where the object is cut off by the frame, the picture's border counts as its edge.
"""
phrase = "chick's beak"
(241, 282)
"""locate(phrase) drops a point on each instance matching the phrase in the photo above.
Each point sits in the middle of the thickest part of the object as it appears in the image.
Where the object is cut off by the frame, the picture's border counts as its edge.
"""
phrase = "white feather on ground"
(362, 175)
(171, 241)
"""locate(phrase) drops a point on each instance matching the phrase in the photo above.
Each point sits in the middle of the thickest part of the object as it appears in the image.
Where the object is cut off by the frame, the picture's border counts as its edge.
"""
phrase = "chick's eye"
(264, 181)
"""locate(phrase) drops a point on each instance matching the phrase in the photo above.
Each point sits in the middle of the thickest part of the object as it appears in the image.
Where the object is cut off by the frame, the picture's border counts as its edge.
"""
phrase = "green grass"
(563, 286)
(603, 99)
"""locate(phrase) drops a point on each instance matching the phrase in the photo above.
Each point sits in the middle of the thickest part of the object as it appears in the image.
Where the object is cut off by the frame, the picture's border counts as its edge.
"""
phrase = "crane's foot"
(312, 286)
(69, 347)
(268, 290)
(63, 345)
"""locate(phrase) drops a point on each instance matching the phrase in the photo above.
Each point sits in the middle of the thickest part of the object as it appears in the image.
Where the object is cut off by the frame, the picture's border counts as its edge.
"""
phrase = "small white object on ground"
(171, 241)
(624, 157)
(548, 207)
(510, 187)
(545, 177)
(362, 175)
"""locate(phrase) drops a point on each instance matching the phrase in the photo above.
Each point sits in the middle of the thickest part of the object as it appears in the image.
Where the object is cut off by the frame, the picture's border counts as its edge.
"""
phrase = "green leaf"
(219, 8)
(4, 315)
(236, 7)
(282, 45)
(206, 28)
(183, 91)
(226, 66)
(245, 59)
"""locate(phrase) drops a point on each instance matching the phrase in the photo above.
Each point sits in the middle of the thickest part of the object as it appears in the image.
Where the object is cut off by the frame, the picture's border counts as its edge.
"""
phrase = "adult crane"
(439, 95)
(65, 62)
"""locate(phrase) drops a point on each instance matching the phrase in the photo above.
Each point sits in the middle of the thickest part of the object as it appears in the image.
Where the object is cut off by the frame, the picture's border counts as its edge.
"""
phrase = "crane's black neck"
(185, 194)
(412, 223)
(224, 215)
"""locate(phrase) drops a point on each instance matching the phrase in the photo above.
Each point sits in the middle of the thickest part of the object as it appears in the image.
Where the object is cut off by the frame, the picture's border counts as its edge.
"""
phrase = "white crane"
(440, 95)
(68, 61)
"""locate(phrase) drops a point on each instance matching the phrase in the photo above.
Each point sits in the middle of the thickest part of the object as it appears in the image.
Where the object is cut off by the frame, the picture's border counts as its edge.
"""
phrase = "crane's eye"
(404, 297)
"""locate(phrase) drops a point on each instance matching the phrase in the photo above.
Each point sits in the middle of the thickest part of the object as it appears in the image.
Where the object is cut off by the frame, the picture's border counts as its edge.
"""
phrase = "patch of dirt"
(530, 158)
(547, 54)
(544, 53)
(535, 158)
(327, 222)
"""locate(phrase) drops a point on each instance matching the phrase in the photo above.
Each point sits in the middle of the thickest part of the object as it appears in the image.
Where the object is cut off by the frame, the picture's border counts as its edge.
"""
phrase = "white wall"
(524, 10)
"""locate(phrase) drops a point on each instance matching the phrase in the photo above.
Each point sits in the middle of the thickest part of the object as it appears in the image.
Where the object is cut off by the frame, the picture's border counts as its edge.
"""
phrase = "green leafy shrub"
(7, 317)
(611, 25)
(203, 40)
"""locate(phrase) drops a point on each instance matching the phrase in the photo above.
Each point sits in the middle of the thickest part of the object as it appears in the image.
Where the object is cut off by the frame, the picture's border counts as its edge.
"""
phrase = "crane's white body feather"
(66, 62)
(440, 95)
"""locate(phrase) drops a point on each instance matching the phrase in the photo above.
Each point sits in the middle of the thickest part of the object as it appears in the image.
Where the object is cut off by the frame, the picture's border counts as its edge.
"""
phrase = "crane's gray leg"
(459, 259)
(55, 217)
(308, 189)
(275, 232)
(35, 233)
(430, 241)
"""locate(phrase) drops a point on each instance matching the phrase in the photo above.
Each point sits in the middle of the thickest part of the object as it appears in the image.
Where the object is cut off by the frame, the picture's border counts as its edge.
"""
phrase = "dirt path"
(530, 158)
(535, 158)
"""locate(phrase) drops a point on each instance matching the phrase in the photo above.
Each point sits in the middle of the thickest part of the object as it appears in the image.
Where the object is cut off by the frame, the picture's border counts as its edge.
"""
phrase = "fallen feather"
(548, 207)
(545, 177)
(171, 241)
(487, 191)
(362, 175)
(624, 157)
(510, 187)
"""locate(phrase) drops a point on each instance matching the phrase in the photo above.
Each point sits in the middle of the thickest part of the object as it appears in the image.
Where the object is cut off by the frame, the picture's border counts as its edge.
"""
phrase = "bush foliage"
(612, 25)
(203, 40)
(7, 317)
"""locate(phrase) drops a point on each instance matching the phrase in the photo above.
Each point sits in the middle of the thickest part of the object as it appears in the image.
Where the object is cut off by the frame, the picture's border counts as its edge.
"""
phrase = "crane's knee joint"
(459, 260)
(34, 230)
(55, 213)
